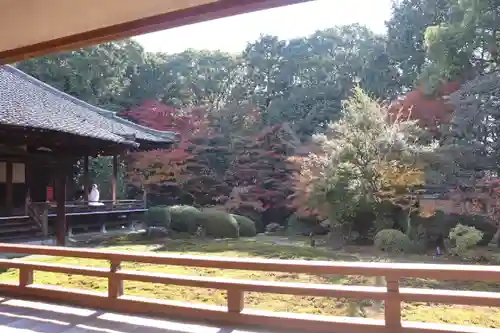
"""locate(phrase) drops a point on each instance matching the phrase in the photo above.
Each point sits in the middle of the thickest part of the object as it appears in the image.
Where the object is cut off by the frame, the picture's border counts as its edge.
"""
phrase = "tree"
(188, 79)
(431, 111)
(406, 35)
(358, 161)
(303, 81)
(468, 159)
(194, 167)
(97, 75)
(150, 168)
(466, 44)
(469, 148)
(260, 175)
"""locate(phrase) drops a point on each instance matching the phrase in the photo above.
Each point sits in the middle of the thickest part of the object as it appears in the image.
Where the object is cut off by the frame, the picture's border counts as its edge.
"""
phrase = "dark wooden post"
(235, 300)
(86, 178)
(27, 186)
(61, 206)
(115, 285)
(393, 306)
(9, 189)
(113, 178)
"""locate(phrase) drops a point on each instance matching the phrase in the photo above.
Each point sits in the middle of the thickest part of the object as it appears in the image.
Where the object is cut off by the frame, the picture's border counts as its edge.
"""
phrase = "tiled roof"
(26, 101)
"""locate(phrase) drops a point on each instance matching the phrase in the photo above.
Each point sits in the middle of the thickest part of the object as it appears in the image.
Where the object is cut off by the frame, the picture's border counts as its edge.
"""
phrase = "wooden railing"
(83, 206)
(39, 213)
(235, 312)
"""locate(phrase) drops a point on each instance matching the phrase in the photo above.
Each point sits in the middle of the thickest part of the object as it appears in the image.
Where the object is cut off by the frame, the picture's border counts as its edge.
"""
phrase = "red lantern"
(49, 194)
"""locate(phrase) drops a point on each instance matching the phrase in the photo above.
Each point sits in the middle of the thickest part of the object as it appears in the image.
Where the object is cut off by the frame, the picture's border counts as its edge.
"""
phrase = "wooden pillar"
(113, 178)
(393, 306)
(86, 178)
(27, 185)
(61, 207)
(9, 188)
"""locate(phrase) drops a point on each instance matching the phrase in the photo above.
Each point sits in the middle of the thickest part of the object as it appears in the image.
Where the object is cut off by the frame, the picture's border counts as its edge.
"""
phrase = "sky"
(231, 34)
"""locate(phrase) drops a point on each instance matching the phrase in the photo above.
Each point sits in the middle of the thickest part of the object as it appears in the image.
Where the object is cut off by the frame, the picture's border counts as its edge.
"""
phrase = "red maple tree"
(429, 111)
(165, 166)
(261, 175)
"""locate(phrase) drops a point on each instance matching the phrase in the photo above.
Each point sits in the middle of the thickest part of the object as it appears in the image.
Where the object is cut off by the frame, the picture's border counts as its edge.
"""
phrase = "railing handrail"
(87, 201)
(235, 313)
(431, 271)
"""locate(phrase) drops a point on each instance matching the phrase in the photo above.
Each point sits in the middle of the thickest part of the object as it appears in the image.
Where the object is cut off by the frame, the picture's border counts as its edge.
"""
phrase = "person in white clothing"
(94, 196)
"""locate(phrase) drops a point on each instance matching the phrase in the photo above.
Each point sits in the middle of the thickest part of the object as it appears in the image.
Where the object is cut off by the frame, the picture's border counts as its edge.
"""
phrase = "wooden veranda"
(234, 313)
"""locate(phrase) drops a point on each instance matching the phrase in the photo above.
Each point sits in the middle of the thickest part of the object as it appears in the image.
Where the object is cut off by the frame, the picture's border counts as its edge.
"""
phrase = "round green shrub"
(185, 218)
(464, 238)
(392, 241)
(247, 226)
(158, 216)
(220, 224)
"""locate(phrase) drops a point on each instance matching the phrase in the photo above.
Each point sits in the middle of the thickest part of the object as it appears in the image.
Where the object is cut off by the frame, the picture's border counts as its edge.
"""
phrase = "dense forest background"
(243, 116)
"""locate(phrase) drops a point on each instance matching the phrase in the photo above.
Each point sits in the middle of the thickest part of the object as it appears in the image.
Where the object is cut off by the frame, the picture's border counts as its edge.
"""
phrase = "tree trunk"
(336, 237)
(495, 241)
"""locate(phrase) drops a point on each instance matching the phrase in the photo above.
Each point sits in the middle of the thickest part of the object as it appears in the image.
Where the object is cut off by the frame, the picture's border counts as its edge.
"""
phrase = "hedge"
(185, 218)
(220, 224)
(158, 216)
(246, 226)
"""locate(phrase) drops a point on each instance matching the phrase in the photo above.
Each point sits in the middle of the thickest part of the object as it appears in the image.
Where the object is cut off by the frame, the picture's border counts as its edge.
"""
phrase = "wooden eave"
(32, 28)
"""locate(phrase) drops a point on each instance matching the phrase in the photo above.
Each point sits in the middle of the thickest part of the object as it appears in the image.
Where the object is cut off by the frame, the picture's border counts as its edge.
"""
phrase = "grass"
(465, 315)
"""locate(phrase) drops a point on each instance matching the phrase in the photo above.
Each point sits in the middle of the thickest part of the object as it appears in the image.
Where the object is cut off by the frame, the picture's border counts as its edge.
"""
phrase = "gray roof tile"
(26, 101)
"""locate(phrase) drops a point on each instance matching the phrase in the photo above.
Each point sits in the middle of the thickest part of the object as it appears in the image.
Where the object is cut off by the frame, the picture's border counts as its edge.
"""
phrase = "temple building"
(43, 133)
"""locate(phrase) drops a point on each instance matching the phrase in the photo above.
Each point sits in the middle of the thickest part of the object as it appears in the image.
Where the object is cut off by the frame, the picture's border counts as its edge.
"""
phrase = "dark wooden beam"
(86, 180)
(114, 178)
(27, 184)
(61, 205)
(9, 188)
(61, 144)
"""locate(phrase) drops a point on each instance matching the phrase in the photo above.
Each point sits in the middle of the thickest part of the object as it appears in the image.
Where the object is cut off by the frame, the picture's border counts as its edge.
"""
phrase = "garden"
(341, 145)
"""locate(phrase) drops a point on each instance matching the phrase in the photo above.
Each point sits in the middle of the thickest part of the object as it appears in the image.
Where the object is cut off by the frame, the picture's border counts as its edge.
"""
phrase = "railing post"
(392, 310)
(115, 284)
(45, 220)
(235, 300)
(25, 277)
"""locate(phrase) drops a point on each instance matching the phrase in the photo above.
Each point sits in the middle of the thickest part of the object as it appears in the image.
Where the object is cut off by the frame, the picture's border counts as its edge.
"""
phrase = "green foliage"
(406, 35)
(246, 226)
(158, 216)
(392, 241)
(220, 224)
(383, 223)
(297, 223)
(185, 218)
(359, 159)
(466, 43)
(101, 173)
(464, 238)
(97, 75)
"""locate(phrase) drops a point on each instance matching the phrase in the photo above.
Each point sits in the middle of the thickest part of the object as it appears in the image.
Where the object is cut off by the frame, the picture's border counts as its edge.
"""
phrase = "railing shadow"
(49, 318)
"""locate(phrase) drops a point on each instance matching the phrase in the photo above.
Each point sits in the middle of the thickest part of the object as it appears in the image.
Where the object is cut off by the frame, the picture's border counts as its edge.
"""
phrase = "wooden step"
(9, 224)
(19, 229)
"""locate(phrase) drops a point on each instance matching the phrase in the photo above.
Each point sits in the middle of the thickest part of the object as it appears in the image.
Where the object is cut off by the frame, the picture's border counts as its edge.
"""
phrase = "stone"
(273, 227)
(158, 232)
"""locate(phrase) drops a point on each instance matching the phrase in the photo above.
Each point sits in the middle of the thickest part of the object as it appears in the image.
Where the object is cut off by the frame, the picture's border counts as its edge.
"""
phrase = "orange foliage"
(165, 165)
(430, 111)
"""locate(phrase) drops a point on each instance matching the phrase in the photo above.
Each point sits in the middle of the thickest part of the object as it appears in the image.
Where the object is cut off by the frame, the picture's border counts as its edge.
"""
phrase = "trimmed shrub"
(464, 238)
(185, 218)
(298, 225)
(158, 217)
(247, 226)
(220, 224)
(392, 241)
